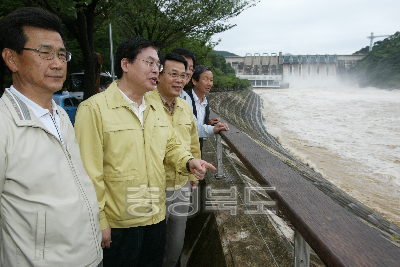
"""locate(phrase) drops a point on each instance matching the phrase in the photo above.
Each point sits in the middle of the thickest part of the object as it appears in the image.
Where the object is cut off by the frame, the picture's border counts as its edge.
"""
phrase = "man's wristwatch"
(187, 164)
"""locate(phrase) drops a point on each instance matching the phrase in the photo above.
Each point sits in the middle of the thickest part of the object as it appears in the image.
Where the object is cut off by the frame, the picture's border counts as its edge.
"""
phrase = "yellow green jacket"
(184, 124)
(126, 162)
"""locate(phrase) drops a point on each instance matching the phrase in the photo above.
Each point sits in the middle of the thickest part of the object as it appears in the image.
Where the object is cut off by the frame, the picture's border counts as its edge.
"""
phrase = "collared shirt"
(200, 107)
(186, 96)
(203, 130)
(138, 110)
(50, 121)
(170, 108)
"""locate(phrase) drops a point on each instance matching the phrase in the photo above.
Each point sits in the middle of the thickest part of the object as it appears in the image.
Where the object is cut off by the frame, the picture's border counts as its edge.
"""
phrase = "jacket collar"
(33, 107)
(23, 115)
(114, 98)
(20, 112)
(178, 100)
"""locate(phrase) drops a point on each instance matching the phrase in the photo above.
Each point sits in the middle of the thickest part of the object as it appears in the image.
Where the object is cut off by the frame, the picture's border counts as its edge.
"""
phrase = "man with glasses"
(178, 111)
(191, 61)
(206, 127)
(49, 213)
(125, 139)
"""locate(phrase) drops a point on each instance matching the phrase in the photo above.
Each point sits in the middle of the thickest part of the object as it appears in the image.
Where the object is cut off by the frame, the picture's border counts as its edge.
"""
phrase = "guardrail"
(338, 237)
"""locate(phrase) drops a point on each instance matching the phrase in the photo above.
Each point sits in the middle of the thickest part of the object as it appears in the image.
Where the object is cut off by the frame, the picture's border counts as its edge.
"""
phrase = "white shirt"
(50, 121)
(138, 110)
(200, 107)
(203, 130)
(186, 96)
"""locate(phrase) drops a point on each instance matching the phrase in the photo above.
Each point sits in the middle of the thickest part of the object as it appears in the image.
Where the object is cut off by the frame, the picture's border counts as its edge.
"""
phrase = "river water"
(348, 134)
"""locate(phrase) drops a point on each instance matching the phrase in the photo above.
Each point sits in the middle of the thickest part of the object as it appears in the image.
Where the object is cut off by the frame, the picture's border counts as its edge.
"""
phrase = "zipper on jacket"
(82, 192)
(89, 208)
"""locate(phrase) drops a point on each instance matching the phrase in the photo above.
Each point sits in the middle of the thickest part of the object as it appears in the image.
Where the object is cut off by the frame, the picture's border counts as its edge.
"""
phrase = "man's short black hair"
(186, 53)
(198, 71)
(130, 48)
(12, 26)
(173, 57)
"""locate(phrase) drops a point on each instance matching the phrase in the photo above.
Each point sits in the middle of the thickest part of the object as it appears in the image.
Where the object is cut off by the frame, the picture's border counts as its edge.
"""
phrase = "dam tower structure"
(262, 70)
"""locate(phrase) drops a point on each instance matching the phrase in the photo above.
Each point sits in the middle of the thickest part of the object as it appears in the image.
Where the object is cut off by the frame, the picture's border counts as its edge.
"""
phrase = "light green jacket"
(183, 122)
(124, 161)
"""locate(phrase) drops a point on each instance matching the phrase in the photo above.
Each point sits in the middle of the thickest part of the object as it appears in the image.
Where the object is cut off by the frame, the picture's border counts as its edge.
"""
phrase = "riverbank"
(244, 109)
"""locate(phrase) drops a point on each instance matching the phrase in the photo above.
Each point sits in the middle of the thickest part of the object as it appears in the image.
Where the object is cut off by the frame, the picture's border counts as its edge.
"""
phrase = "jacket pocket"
(40, 239)
(121, 176)
(119, 141)
(184, 131)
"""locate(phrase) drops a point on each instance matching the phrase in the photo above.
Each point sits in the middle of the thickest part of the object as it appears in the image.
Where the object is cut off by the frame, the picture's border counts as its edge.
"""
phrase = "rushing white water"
(350, 135)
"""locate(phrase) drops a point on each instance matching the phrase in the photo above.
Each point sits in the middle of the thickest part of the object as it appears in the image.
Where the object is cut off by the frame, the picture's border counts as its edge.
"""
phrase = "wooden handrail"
(338, 237)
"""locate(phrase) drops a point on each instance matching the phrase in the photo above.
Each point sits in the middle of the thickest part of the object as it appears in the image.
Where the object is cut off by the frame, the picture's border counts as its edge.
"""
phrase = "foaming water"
(350, 135)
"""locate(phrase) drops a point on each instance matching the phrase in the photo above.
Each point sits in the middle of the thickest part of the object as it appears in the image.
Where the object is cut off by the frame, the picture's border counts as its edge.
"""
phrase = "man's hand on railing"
(213, 121)
(221, 126)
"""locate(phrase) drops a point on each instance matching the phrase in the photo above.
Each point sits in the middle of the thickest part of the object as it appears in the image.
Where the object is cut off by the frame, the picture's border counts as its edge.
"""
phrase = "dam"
(275, 70)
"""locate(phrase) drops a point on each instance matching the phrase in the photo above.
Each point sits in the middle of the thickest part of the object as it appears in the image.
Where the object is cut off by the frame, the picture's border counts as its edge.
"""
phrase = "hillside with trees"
(224, 74)
(381, 67)
(225, 53)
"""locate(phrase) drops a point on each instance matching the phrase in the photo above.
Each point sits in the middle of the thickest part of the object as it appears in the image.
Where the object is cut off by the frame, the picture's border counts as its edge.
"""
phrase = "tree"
(82, 19)
(381, 67)
(224, 74)
(168, 21)
(364, 50)
(5, 78)
(190, 24)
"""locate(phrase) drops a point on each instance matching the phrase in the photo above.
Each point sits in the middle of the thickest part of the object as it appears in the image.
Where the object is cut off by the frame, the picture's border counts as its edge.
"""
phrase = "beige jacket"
(49, 213)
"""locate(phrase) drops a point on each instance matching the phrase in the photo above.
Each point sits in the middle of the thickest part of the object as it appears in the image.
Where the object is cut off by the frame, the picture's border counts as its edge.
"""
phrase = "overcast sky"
(310, 26)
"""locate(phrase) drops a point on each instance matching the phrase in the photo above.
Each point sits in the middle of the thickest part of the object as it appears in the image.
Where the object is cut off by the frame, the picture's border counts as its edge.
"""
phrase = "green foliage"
(224, 74)
(225, 53)
(364, 50)
(396, 237)
(168, 21)
(200, 47)
(381, 67)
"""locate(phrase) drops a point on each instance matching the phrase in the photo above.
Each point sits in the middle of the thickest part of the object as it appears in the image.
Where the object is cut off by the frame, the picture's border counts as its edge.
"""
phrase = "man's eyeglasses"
(49, 53)
(153, 65)
(176, 75)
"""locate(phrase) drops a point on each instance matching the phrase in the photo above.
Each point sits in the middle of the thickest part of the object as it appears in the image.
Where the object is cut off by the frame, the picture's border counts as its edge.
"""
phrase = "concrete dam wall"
(273, 70)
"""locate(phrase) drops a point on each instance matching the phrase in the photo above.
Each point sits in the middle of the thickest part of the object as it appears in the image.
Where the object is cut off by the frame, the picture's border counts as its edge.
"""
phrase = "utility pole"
(111, 51)
(372, 37)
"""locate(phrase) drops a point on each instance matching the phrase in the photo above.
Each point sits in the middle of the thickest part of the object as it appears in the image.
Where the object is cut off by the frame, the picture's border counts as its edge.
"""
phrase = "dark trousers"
(136, 246)
(201, 144)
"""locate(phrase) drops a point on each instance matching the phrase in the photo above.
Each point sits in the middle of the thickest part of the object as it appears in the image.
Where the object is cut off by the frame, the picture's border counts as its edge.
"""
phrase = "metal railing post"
(301, 251)
(220, 173)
